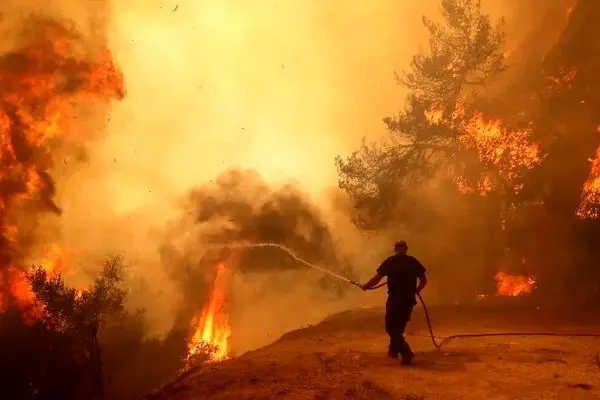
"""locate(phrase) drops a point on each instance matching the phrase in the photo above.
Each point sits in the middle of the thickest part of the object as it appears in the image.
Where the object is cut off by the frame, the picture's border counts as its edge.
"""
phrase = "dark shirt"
(402, 272)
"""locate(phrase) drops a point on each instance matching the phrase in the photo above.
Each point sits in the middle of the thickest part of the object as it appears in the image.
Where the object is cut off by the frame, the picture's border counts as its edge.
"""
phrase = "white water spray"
(290, 252)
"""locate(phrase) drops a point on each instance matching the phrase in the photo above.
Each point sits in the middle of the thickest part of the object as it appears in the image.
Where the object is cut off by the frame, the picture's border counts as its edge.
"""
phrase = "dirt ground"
(343, 357)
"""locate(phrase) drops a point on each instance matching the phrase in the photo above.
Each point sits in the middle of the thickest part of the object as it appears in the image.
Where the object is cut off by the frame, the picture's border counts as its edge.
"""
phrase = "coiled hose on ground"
(448, 339)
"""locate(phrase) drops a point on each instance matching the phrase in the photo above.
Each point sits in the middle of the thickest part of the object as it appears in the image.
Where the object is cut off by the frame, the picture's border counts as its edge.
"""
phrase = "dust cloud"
(274, 86)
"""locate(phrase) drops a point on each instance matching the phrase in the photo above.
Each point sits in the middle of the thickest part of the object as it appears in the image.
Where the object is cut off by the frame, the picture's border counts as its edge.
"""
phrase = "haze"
(278, 86)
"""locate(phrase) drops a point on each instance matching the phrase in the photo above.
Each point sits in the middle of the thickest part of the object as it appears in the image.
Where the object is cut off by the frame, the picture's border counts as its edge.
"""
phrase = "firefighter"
(402, 272)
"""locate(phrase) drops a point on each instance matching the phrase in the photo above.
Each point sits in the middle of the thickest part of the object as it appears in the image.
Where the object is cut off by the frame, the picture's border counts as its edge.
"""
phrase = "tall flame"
(212, 324)
(46, 84)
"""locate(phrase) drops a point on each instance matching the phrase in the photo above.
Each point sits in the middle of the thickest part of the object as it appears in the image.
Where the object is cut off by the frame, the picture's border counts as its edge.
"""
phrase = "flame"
(589, 207)
(15, 284)
(434, 115)
(514, 285)
(47, 83)
(212, 324)
(508, 152)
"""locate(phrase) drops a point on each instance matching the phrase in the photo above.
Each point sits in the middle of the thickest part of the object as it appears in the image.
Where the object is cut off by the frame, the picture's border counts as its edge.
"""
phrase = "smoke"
(464, 238)
(240, 207)
(276, 87)
(56, 83)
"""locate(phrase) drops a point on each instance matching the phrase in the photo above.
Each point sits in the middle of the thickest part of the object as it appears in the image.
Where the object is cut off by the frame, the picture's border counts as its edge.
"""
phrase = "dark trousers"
(397, 315)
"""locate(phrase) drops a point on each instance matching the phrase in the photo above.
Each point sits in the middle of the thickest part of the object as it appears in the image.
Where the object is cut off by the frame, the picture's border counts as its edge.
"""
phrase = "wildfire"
(514, 285)
(15, 287)
(508, 152)
(212, 328)
(47, 83)
(590, 195)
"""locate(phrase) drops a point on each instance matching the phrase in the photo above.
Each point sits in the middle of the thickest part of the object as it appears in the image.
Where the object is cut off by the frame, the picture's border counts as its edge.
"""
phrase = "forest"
(493, 162)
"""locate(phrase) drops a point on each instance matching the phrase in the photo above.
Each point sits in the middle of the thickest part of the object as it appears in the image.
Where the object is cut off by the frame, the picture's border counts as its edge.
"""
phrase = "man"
(402, 272)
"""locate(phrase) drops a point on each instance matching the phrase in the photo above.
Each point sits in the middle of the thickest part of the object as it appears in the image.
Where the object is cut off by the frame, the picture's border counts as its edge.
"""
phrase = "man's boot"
(407, 358)
(392, 351)
(407, 354)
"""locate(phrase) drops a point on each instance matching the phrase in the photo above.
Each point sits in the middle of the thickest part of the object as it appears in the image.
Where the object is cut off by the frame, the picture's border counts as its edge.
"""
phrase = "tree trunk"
(97, 362)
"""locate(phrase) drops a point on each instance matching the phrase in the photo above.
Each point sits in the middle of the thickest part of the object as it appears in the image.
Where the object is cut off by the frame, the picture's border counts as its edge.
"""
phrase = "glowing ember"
(514, 285)
(564, 81)
(589, 207)
(212, 325)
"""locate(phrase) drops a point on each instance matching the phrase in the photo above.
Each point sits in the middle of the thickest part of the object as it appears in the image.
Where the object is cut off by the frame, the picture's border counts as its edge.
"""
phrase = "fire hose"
(437, 345)
(448, 339)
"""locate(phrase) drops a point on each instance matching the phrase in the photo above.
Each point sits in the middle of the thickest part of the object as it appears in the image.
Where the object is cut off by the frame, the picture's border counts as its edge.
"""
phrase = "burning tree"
(523, 175)
(441, 135)
(429, 136)
(565, 186)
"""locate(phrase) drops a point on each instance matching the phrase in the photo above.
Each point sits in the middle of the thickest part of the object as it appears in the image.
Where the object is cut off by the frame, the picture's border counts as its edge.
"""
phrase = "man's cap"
(401, 243)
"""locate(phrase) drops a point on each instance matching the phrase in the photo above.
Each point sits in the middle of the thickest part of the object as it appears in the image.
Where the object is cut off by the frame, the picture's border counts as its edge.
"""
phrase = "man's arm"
(372, 282)
(422, 283)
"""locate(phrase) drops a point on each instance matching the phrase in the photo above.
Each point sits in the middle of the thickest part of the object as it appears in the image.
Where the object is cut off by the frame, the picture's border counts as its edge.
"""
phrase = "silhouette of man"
(402, 272)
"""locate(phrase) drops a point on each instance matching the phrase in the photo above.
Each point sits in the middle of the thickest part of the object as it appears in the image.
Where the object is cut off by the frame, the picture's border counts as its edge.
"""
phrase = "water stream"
(290, 252)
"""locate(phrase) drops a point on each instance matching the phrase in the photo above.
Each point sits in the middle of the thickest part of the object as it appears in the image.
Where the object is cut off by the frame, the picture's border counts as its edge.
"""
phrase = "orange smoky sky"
(280, 86)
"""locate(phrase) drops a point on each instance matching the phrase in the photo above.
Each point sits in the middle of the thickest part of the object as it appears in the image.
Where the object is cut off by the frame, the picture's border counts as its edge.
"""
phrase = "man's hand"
(360, 285)
(371, 282)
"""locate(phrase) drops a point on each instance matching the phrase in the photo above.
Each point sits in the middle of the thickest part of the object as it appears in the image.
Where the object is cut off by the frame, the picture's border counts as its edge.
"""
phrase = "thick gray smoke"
(239, 207)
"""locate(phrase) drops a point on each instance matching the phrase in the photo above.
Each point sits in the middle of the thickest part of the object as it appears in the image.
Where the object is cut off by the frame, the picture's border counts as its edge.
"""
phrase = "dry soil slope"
(344, 357)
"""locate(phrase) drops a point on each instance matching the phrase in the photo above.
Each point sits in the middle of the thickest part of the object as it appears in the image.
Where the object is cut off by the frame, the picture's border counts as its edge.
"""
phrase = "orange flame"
(212, 325)
(514, 285)
(508, 152)
(16, 287)
(46, 85)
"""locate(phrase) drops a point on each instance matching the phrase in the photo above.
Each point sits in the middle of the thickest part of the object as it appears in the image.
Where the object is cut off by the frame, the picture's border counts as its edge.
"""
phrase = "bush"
(85, 344)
